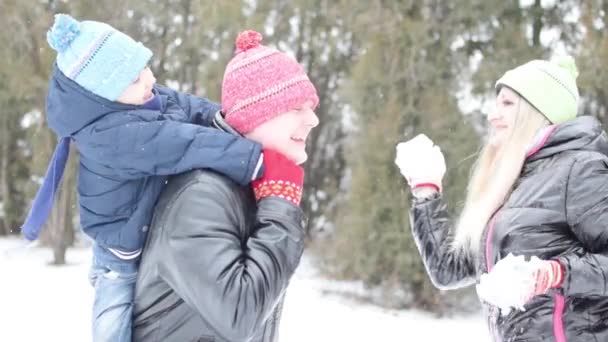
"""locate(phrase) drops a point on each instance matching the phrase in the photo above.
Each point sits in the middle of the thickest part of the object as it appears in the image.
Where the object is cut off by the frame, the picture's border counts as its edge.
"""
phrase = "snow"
(39, 302)
(543, 3)
(31, 118)
(509, 283)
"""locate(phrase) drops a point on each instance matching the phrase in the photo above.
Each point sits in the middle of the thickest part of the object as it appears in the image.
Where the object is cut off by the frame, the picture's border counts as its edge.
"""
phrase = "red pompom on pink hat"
(260, 83)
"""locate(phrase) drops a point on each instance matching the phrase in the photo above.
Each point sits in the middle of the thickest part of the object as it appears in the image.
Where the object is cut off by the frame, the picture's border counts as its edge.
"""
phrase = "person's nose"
(494, 114)
(312, 119)
(152, 78)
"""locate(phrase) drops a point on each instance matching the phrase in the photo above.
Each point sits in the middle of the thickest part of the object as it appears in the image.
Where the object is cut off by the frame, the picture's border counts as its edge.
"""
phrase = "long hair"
(493, 176)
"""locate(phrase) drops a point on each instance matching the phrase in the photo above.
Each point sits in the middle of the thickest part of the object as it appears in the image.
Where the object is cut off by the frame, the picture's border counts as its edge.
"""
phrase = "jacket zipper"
(559, 300)
(558, 321)
(558, 328)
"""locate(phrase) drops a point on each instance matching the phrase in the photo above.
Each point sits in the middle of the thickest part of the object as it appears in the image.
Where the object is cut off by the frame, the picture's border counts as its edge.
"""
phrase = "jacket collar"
(585, 133)
(220, 123)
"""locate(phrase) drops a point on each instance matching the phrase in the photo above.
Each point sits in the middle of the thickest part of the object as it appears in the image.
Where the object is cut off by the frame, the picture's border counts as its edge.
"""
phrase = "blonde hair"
(493, 176)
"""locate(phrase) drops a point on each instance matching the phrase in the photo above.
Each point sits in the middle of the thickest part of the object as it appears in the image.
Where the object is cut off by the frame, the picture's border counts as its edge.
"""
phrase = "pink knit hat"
(261, 83)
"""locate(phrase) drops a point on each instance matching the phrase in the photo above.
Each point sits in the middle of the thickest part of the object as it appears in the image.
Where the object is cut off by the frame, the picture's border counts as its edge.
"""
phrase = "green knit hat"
(550, 86)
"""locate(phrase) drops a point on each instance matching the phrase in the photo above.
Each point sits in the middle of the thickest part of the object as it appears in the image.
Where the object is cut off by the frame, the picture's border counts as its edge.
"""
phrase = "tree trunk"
(65, 234)
(537, 24)
(59, 233)
(4, 189)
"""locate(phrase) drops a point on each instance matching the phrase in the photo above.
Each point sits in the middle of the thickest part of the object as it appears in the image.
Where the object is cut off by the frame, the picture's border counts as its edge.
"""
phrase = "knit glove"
(421, 162)
(549, 275)
(513, 281)
(282, 178)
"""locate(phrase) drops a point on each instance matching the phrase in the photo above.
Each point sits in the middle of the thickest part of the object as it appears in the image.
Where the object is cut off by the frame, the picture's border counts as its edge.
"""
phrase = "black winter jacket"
(216, 263)
(558, 209)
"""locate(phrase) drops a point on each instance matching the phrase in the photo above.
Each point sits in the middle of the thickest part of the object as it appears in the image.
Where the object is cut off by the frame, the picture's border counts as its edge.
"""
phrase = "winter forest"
(384, 70)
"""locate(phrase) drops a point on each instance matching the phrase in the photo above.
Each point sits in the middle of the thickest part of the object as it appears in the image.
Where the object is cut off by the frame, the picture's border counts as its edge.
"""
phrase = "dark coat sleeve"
(587, 215)
(134, 146)
(431, 226)
(232, 275)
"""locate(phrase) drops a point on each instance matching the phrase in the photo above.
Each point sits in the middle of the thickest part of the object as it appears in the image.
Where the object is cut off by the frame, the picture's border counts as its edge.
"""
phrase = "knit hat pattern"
(261, 83)
(95, 55)
(549, 86)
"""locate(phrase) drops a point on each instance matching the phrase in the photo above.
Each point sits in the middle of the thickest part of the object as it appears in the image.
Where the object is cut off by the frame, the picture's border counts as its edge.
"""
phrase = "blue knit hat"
(95, 55)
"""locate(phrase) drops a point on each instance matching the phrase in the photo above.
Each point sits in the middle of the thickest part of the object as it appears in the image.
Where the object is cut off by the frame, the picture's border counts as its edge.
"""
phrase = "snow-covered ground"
(39, 302)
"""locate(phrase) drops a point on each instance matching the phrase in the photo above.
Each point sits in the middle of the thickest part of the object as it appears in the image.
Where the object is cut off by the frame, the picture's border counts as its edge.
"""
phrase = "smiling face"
(286, 133)
(502, 118)
(140, 91)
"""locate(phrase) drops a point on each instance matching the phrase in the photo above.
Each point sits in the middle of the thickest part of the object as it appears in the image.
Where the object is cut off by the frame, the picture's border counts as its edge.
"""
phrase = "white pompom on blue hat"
(95, 55)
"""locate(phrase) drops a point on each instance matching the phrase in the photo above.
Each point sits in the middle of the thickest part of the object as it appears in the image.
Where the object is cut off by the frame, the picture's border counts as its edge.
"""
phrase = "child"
(131, 134)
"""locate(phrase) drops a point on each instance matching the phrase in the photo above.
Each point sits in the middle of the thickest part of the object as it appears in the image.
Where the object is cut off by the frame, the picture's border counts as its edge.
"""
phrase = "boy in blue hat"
(131, 134)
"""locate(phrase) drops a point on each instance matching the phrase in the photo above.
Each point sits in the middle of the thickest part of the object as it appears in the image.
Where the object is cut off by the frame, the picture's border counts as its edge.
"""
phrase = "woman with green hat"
(533, 233)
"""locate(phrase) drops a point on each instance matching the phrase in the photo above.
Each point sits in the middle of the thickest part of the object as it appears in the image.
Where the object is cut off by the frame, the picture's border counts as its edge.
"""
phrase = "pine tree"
(403, 84)
(592, 59)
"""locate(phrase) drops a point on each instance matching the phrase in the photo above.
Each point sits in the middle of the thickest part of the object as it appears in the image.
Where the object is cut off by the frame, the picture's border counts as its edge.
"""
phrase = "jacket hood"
(585, 133)
(70, 107)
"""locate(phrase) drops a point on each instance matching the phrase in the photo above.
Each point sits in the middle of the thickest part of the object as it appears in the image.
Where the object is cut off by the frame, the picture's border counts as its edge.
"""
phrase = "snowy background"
(387, 71)
(49, 303)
